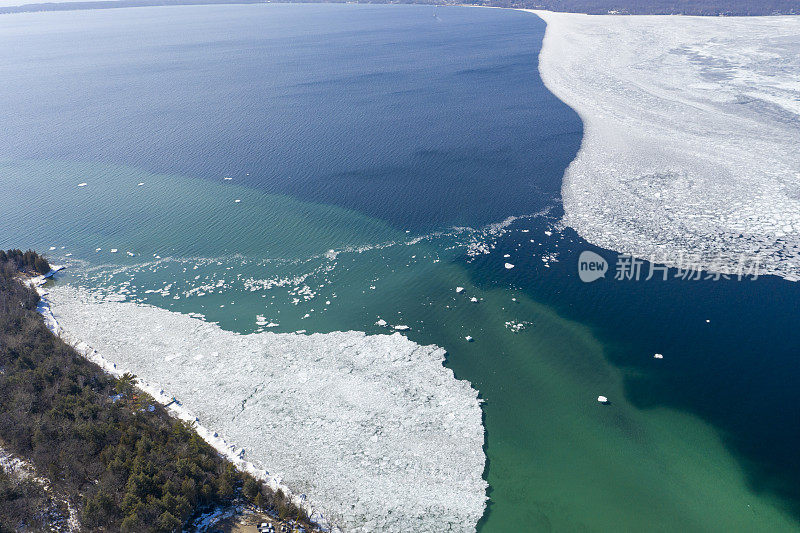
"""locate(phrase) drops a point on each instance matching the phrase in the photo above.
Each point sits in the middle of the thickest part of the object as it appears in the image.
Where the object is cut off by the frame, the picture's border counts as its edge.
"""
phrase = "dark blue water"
(404, 113)
(731, 347)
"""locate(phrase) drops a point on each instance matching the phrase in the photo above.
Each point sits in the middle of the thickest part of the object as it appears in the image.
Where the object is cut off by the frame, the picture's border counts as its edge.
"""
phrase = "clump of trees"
(28, 261)
(115, 453)
(24, 504)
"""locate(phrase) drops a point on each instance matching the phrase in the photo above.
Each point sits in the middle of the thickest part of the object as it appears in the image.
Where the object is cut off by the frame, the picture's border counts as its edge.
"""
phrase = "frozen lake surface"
(373, 428)
(691, 129)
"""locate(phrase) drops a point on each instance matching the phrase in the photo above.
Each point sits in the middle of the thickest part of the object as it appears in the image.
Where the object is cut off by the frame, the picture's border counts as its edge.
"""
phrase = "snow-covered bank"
(691, 135)
(377, 433)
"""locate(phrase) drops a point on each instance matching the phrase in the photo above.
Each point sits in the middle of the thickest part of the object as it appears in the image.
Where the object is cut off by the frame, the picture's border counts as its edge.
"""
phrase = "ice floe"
(372, 428)
(691, 135)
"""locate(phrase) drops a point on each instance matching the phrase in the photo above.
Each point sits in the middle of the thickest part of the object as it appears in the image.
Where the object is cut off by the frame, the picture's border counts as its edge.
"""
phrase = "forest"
(104, 445)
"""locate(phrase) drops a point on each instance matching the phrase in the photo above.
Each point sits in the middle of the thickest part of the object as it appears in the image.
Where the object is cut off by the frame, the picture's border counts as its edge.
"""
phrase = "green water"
(558, 461)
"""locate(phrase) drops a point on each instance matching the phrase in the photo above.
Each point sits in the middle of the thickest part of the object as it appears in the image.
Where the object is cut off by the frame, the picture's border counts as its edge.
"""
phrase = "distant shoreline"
(713, 8)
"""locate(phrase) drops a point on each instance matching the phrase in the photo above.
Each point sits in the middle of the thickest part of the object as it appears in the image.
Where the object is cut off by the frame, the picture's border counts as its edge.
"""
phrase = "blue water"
(403, 113)
(373, 130)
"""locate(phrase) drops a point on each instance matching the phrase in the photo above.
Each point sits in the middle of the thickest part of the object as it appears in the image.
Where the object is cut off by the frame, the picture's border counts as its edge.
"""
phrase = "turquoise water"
(373, 150)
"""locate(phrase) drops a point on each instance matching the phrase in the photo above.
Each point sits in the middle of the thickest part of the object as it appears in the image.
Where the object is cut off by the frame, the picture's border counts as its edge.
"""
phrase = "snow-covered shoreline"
(174, 407)
(374, 429)
(691, 128)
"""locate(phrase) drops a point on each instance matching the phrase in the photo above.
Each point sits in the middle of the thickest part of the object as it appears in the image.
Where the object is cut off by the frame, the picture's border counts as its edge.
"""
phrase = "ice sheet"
(372, 429)
(691, 135)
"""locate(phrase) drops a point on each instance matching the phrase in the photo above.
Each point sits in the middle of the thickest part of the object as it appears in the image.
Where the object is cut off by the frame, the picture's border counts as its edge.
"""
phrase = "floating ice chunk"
(82, 184)
(227, 179)
(468, 338)
(52, 248)
(602, 399)
(515, 326)
(459, 289)
(140, 184)
(97, 249)
(113, 250)
(237, 201)
(658, 356)
(473, 300)
(402, 327)
(548, 233)
(130, 254)
(381, 322)
(509, 266)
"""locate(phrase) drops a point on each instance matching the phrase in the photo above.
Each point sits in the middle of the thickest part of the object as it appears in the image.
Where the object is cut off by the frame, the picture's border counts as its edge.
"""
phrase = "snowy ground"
(373, 429)
(692, 135)
(56, 519)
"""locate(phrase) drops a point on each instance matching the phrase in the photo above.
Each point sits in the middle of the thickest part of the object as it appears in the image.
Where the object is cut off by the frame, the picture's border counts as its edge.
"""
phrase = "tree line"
(115, 453)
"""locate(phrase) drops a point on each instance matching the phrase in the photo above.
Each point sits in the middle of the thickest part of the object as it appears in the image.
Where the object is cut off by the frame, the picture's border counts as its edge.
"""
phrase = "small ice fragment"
(509, 266)
(97, 249)
(658, 356)
(548, 233)
(473, 300)
(708, 321)
(402, 327)
(237, 201)
(602, 399)
(507, 255)
(459, 289)
(227, 179)
(82, 184)
(140, 184)
(468, 338)
(130, 254)
(381, 322)
(113, 250)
